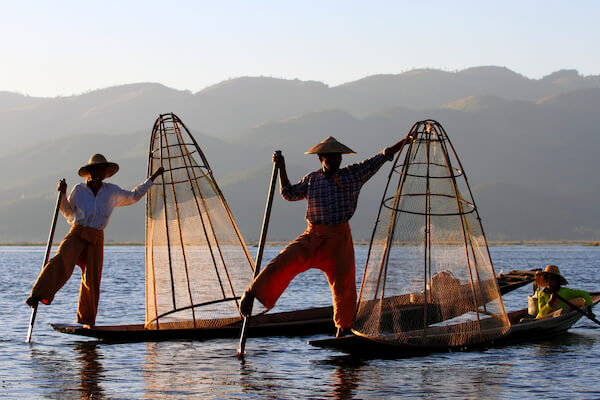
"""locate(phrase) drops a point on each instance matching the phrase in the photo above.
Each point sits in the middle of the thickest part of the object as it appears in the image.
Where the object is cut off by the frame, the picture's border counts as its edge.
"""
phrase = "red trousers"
(84, 247)
(328, 248)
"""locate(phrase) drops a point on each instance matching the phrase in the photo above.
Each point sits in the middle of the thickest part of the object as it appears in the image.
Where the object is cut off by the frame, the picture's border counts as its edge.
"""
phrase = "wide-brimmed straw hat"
(540, 276)
(99, 160)
(330, 145)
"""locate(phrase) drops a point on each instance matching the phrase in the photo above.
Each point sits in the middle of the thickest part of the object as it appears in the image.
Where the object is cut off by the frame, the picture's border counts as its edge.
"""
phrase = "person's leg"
(336, 260)
(277, 275)
(58, 270)
(89, 291)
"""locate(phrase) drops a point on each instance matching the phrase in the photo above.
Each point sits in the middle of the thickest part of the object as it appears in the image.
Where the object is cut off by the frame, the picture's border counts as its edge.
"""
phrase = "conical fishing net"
(197, 264)
(429, 279)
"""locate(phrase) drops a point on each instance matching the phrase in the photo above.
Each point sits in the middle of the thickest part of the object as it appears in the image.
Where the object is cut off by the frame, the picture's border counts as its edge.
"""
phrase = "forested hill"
(528, 145)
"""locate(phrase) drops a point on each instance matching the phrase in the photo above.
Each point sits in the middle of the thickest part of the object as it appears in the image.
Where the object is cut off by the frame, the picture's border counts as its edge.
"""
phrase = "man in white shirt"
(88, 209)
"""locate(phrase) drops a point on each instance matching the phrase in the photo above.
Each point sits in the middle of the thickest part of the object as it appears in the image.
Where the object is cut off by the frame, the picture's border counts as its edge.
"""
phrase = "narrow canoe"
(291, 323)
(527, 331)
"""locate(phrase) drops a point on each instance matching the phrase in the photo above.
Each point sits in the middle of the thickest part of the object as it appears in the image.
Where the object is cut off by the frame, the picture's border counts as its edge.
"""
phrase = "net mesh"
(197, 264)
(429, 279)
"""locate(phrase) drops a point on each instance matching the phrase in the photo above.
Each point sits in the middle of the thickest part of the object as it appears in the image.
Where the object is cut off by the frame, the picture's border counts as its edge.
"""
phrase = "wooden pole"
(46, 257)
(259, 254)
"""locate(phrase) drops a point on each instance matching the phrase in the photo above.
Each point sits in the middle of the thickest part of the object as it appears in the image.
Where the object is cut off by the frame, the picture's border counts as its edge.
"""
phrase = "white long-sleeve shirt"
(83, 208)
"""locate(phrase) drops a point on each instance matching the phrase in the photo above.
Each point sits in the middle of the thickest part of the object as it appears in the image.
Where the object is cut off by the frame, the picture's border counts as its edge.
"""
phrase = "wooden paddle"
(259, 254)
(46, 257)
(587, 313)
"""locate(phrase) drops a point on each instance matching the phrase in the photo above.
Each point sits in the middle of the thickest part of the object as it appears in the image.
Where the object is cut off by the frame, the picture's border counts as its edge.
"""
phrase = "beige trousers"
(82, 246)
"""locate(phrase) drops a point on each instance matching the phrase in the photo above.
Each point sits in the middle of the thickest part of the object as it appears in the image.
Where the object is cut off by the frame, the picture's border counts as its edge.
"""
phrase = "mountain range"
(528, 145)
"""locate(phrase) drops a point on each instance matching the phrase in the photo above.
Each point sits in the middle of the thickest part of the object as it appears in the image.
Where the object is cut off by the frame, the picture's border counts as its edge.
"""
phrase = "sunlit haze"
(70, 47)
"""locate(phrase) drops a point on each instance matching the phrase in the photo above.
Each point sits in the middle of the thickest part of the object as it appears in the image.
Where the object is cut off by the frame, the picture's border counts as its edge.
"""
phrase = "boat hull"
(291, 323)
(311, 321)
(520, 332)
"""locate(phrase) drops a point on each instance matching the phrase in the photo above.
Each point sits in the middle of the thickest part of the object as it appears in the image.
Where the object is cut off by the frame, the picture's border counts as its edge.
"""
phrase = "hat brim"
(111, 168)
(543, 274)
(325, 148)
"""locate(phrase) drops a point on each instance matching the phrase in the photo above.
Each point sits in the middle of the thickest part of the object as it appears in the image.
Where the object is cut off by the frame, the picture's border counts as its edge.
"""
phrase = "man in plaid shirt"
(332, 194)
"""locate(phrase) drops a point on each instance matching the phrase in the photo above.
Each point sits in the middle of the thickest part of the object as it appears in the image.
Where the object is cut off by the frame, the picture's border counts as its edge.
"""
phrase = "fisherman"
(332, 193)
(550, 298)
(88, 209)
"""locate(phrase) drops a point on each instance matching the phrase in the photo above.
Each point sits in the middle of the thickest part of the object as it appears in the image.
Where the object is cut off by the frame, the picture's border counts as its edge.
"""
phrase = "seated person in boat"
(551, 297)
(332, 194)
(88, 209)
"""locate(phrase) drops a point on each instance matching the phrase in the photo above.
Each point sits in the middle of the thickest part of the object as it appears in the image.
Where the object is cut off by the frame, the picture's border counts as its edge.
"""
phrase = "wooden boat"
(522, 330)
(317, 320)
(429, 281)
(290, 323)
(197, 263)
(534, 329)
(429, 233)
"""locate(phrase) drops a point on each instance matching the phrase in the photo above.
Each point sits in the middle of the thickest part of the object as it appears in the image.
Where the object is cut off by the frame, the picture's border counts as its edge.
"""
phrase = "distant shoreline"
(592, 243)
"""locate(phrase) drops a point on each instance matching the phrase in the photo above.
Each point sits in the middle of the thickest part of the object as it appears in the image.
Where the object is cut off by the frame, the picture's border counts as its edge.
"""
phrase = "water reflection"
(469, 378)
(346, 375)
(56, 366)
(251, 380)
(433, 376)
(564, 344)
(345, 379)
(64, 373)
(90, 370)
(49, 370)
(159, 368)
(188, 369)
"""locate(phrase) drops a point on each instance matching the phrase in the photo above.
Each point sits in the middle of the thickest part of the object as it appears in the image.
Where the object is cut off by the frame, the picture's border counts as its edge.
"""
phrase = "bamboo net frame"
(197, 263)
(429, 279)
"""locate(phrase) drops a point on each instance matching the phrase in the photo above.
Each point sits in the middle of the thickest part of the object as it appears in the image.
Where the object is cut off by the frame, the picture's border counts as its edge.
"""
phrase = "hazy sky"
(58, 47)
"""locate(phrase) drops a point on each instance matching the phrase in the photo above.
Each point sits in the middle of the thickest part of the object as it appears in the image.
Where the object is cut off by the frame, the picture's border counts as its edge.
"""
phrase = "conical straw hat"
(550, 270)
(99, 160)
(330, 145)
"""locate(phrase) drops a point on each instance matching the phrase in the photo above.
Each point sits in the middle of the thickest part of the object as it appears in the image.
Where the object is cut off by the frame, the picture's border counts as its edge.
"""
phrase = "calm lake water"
(59, 366)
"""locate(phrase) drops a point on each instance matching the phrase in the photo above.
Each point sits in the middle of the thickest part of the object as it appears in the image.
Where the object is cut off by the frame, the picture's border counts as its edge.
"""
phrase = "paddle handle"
(587, 314)
(259, 254)
(266, 218)
(46, 258)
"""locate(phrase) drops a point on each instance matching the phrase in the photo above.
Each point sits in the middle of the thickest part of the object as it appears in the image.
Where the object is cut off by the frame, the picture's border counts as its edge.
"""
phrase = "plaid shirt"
(333, 201)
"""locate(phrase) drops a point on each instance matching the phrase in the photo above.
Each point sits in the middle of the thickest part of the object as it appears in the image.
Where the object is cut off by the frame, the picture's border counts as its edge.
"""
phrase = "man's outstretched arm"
(392, 150)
